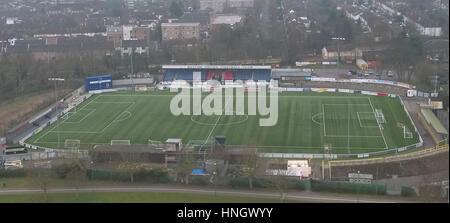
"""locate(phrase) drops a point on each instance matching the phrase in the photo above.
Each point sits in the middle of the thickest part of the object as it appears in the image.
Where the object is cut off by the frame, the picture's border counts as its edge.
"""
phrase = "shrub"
(243, 182)
(62, 170)
(107, 175)
(12, 173)
(199, 180)
(156, 175)
(347, 187)
(408, 192)
(159, 175)
(301, 184)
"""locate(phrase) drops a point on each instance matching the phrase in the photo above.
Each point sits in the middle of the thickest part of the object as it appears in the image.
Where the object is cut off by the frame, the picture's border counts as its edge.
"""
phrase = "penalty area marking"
(314, 117)
(88, 132)
(74, 113)
(228, 123)
(125, 118)
(365, 126)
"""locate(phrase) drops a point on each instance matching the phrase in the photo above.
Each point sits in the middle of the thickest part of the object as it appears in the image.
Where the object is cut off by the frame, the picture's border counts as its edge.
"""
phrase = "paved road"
(298, 196)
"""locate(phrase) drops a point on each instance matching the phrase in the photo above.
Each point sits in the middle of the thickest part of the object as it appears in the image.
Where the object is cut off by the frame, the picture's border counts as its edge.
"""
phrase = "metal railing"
(393, 158)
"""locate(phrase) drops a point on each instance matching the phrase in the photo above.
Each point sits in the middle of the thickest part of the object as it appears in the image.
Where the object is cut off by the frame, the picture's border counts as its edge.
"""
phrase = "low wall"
(46, 155)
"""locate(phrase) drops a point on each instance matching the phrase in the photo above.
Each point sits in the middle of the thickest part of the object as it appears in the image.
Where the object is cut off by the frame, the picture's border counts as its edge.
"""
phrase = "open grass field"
(130, 197)
(307, 121)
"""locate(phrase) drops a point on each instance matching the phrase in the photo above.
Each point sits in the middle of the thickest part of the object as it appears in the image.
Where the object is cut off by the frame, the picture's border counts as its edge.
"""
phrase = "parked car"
(390, 73)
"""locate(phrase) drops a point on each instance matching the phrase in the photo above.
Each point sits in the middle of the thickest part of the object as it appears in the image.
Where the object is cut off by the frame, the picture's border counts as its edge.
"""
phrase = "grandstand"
(216, 72)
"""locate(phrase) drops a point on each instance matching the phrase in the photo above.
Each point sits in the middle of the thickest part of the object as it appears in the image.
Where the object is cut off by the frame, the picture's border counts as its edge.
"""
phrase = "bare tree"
(250, 165)
(38, 177)
(280, 181)
(77, 174)
(185, 164)
(130, 163)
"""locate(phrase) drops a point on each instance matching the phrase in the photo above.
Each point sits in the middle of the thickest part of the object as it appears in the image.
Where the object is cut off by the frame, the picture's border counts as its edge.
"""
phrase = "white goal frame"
(154, 142)
(117, 142)
(72, 144)
(407, 134)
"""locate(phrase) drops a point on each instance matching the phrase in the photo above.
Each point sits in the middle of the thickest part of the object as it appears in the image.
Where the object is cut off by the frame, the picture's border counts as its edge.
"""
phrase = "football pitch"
(307, 123)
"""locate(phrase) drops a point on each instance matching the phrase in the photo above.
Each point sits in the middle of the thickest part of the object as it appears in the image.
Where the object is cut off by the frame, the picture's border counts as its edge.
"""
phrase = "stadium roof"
(218, 67)
(277, 73)
(434, 121)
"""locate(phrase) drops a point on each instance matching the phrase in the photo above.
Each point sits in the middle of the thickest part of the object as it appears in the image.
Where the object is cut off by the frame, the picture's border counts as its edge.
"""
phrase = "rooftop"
(434, 121)
(227, 19)
(220, 67)
(180, 24)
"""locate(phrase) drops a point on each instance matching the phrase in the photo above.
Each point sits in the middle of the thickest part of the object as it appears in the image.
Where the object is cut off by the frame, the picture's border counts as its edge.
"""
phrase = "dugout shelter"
(219, 73)
(99, 82)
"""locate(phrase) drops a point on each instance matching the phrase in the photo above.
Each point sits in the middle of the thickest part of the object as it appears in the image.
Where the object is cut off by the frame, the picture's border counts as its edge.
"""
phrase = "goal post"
(154, 143)
(407, 134)
(120, 142)
(72, 144)
(65, 116)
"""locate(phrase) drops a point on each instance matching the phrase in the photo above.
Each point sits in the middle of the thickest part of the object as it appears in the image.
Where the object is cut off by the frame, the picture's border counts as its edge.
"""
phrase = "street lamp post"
(215, 179)
(338, 48)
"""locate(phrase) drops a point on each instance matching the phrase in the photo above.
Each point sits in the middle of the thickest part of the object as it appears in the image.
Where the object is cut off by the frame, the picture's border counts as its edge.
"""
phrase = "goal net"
(120, 142)
(154, 143)
(73, 144)
(379, 116)
(406, 133)
(199, 144)
(140, 88)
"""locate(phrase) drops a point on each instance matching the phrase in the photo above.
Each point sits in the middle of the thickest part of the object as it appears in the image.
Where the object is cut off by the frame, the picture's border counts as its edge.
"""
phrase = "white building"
(127, 32)
(230, 20)
(216, 6)
(240, 3)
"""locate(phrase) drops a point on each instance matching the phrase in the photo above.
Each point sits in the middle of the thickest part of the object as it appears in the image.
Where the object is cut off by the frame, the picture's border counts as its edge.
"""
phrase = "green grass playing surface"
(307, 121)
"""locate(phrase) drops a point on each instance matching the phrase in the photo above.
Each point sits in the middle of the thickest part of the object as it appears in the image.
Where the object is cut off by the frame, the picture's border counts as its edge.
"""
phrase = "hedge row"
(408, 192)
(243, 182)
(347, 187)
(63, 170)
(12, 173)
(107, 175)
(301, 184)
(200, 180)
(154, 175)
